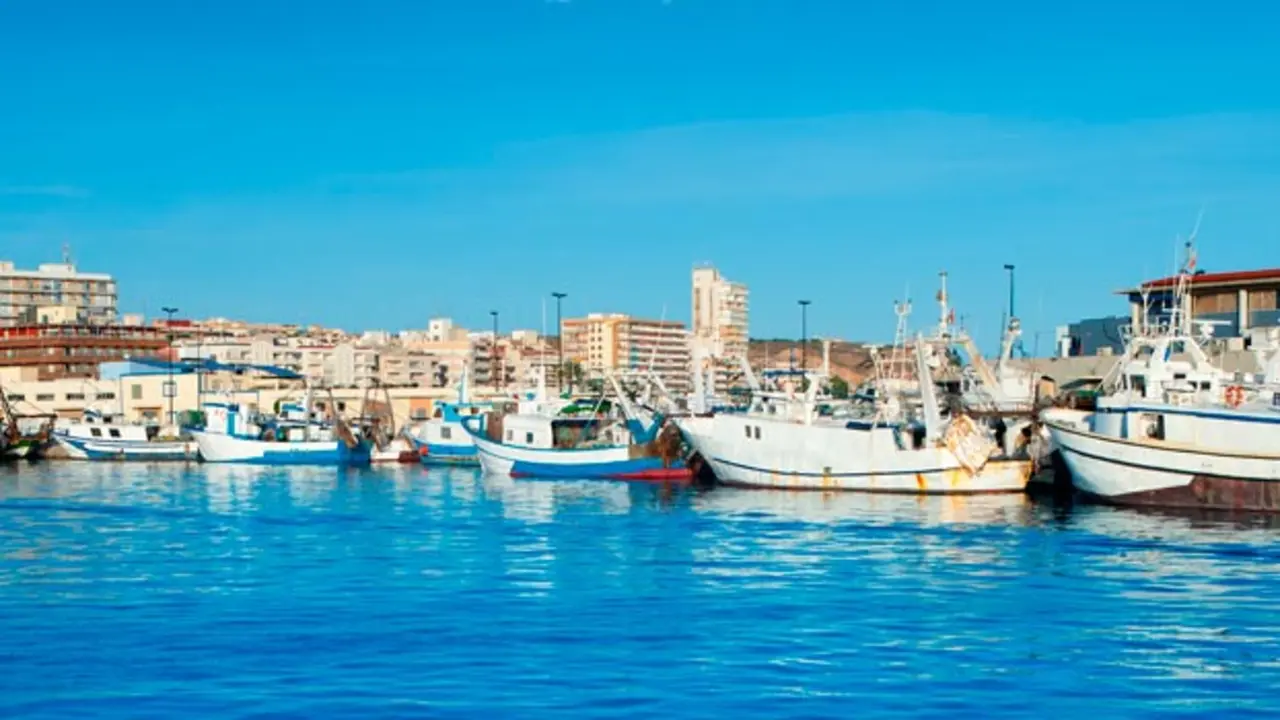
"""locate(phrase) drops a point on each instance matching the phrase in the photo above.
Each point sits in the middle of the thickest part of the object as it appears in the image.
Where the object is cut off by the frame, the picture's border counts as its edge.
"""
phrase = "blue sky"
(374, 164)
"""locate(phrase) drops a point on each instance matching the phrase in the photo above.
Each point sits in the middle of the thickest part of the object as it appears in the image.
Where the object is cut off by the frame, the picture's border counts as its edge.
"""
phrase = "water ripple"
(239, 592)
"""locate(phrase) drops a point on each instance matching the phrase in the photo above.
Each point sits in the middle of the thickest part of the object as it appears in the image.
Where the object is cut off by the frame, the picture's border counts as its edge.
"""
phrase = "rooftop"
(1237, 278)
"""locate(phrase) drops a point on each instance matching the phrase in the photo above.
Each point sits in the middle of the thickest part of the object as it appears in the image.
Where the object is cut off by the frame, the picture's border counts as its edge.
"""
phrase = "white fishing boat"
(615, 440)
(104, 436)
(1172, 429)
(297, 435)
(897, 440)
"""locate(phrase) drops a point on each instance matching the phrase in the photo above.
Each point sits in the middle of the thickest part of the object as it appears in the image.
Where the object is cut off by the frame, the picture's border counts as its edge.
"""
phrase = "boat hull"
(153, 451)
(805, 457)
(441, 454)
(218, 448)
(1155, 474)
(611, 463)
(398, 450)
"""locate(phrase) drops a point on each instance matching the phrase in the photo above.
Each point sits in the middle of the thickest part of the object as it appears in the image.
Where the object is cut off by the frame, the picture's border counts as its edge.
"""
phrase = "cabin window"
(475, 411)
(113, 432)
(1138, 383)
(446, 433)
(17, 398)
(757, 432)
(1204, 385)
(528, 438)
(96, 432)
(44, 397)
(106, 396)
(1179, 376)
(748, 429)
(135, 391)
(511, 435)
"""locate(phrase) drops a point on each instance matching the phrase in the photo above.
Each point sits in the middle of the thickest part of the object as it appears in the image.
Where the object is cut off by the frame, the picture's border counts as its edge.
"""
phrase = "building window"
(44, 397)
(135, 391)
(446, 433)
(17, 398)
(419, 414)
(106, 396)
(75, 396)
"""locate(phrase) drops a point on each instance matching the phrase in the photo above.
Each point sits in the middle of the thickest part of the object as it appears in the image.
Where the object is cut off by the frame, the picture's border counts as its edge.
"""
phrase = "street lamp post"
(169, 389)
(493, 359)
(804, 335)
(1009, 268)
(560, 372)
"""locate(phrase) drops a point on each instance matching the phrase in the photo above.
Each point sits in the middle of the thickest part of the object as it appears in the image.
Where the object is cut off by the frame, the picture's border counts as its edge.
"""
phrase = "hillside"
(849, 361)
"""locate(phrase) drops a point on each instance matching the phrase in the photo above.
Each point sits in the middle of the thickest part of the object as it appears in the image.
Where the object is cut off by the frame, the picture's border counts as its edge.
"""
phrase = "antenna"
(66, 253)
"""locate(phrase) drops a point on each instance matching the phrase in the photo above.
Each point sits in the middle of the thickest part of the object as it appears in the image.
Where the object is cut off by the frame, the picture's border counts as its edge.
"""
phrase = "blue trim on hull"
(136, 457)
(1242, 416)
(636, 467)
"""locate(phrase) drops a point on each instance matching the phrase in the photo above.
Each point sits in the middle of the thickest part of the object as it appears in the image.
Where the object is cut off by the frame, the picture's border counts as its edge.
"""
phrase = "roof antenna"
(66, 253)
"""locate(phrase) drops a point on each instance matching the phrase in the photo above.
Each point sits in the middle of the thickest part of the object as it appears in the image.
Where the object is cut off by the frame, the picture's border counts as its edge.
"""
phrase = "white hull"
(82, 449)
(398, 450)
(219, 448)
(794, 456)
(1164, 473)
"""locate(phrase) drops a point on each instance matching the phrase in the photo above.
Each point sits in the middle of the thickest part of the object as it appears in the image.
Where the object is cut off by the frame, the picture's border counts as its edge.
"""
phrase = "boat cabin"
(561, 433)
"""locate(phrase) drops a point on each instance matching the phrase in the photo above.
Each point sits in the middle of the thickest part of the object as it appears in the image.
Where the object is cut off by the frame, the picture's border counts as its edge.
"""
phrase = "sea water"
(222, 591)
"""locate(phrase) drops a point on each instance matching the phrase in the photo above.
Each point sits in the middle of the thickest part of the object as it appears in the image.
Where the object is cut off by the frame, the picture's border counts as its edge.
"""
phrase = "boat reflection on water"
(819, 507)
(543, 500)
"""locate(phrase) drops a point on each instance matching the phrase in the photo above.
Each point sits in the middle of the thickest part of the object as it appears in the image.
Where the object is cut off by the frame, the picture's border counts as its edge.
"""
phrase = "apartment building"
(720, 322)
(601, 342)
(53, 351)
(89, 298)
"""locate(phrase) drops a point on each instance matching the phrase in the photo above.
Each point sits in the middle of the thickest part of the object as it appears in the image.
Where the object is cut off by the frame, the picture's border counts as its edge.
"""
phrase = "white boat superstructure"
(1173, 429)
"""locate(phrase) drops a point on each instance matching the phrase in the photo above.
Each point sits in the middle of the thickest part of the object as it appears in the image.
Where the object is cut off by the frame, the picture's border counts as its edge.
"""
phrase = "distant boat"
(99, 436)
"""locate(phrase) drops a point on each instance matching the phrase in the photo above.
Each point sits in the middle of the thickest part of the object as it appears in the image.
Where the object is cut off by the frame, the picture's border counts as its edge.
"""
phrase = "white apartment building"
(720, 321)
(88, 297)
(601, 342)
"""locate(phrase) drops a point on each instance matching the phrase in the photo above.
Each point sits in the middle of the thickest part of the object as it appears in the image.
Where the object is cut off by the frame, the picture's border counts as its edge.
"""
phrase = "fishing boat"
(441, 439)
(377, 422)
(618, 441)
(25, 435)
(102, 436)
(1170, 428)
(294, 437)
(898, 438)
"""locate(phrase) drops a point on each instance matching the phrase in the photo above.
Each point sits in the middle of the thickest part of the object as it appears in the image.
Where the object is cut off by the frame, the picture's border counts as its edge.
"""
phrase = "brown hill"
(849, 361)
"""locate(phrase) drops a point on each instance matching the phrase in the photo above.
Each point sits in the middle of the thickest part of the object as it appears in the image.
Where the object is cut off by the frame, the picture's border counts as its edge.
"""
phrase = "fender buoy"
(1234, 395)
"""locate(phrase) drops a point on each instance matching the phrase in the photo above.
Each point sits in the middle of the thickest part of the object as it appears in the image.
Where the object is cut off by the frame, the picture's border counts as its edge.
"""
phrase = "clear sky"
(371, 164)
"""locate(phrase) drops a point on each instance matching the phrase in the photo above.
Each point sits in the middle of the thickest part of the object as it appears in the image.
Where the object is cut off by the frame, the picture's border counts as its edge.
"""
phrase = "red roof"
(1240, 276)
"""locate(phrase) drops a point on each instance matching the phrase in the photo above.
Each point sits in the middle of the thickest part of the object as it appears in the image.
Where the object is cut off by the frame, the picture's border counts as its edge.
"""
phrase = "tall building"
(720, 321)
(26, 295)
(602, 342)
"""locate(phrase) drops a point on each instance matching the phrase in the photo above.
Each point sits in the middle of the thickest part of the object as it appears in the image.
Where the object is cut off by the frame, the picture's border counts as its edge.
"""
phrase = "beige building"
(601, 342)
(84, 297)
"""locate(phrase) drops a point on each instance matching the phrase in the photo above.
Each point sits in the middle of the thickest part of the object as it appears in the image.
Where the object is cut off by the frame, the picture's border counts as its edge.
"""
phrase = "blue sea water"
(207, 591)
